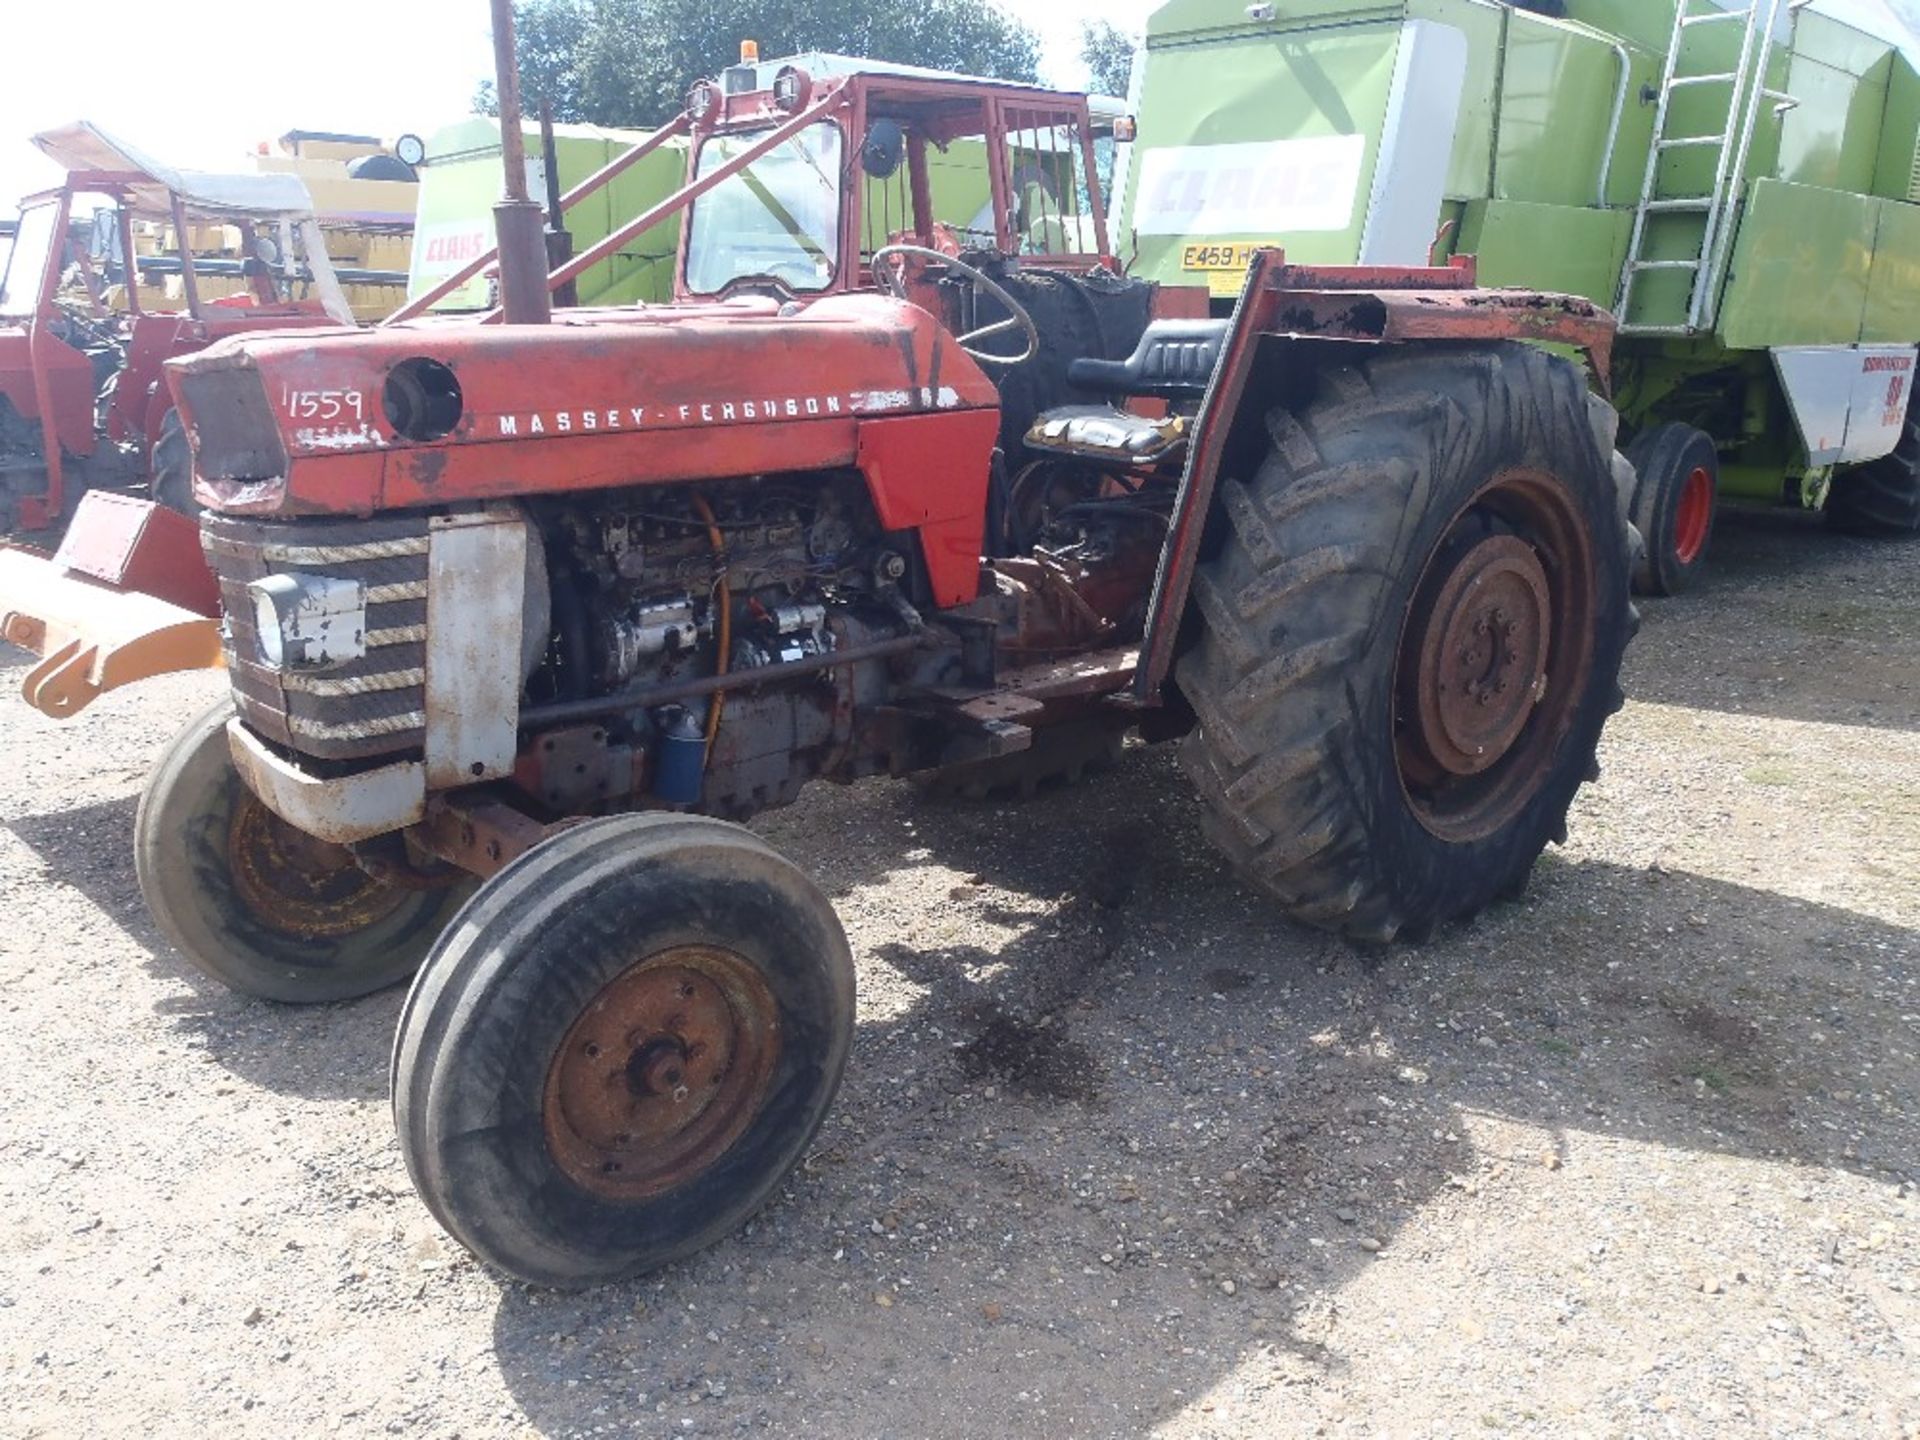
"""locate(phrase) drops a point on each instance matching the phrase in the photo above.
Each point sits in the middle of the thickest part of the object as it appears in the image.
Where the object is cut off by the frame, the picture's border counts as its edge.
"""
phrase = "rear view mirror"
(883, 149)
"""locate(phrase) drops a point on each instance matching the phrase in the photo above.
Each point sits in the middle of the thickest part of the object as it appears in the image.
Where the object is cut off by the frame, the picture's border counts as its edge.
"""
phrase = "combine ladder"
(1746, 91)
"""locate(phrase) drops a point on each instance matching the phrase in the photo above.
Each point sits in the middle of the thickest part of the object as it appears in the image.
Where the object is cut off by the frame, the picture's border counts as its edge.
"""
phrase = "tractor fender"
(1321, 312)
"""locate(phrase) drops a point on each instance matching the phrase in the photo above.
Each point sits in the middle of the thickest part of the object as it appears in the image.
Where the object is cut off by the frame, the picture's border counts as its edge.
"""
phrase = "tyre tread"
(1296, 593)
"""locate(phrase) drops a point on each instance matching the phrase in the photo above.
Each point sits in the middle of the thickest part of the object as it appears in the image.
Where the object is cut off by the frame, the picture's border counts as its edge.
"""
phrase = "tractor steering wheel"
(1017, 316)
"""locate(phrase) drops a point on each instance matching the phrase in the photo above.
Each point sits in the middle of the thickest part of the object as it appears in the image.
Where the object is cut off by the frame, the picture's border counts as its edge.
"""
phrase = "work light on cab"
(792, 87)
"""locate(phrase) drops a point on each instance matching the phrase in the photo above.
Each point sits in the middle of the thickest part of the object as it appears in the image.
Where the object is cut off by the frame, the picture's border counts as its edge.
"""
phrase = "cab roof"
(146, 186)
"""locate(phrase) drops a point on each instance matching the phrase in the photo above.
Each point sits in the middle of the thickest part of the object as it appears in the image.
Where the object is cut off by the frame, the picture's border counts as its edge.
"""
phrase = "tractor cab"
(802, 185)
(86, 422)
(811, 178)
(979, 201)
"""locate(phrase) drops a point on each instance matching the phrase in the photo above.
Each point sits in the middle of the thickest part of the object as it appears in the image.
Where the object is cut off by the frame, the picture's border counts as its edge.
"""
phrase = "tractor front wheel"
(1675, 502)
(621, 1047)
(255, 903)
(1411, 634)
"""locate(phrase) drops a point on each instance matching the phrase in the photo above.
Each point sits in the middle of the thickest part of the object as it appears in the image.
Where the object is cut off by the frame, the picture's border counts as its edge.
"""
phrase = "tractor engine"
(633, 598)
(647, 584)
(654, 590)
(653, 586)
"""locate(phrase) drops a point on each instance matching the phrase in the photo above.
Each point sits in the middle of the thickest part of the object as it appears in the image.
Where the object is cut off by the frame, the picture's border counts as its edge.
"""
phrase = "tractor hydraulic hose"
(723, 626)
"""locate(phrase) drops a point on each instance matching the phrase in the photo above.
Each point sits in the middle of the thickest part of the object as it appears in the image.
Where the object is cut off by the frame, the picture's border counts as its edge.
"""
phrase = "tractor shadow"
(1790, 620)
(1115, 1135)
(315, 1052)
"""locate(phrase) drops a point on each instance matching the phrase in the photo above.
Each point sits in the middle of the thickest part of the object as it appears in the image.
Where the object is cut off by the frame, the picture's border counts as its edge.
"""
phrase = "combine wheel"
(171, 476)
(255, 903)
(1411, 638)
(1675, 500)
(1882, 497)
(621, 1047)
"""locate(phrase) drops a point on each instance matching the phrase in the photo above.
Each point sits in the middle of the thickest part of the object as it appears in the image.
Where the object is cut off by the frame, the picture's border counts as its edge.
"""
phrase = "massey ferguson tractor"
(523, 613)
(86, 424)
(81, 403)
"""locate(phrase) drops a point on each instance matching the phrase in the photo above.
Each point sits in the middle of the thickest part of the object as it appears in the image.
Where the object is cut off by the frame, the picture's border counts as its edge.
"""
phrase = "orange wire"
(724, 630)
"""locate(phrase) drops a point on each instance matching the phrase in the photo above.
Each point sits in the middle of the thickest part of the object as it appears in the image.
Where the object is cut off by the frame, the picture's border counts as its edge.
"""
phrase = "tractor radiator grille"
(373, 706)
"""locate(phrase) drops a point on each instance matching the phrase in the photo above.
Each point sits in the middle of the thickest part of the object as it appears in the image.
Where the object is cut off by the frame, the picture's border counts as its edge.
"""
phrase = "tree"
(630, 62)
(549, 40)
(1107, 52)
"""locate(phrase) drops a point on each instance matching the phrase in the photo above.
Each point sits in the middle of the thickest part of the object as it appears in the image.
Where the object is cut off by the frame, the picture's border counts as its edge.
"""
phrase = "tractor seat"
(1099, 432)
(1174, 359)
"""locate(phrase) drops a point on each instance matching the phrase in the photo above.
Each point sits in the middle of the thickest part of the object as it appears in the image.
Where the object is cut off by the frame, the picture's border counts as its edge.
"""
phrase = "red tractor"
(521, 613)
(86, 422)
(81, 401)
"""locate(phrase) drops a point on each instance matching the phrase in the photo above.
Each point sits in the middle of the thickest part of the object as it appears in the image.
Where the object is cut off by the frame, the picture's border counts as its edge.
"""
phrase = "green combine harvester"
(460, 182)
(1737, 181)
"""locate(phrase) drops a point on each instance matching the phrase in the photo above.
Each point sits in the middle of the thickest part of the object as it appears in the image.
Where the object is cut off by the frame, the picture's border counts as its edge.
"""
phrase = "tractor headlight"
(792, 88)
(303, 622)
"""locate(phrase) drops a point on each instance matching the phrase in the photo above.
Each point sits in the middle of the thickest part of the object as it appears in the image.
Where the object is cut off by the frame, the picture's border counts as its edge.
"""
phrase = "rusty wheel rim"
(1494, 656)
(299, 885)
(661, 1072)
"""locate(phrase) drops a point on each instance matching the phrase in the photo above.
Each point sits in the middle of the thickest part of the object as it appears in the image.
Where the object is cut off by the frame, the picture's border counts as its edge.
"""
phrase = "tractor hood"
(349, 422)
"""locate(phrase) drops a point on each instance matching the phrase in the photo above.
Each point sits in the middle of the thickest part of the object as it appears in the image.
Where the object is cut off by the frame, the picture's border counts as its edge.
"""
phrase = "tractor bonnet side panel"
(603, 399)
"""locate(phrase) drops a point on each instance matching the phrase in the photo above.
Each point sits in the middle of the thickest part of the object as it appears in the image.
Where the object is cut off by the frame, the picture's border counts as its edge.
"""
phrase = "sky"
(136, 73)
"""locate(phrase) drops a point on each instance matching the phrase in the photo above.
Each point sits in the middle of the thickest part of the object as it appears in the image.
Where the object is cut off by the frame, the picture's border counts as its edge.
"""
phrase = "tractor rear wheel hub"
(1483, 650)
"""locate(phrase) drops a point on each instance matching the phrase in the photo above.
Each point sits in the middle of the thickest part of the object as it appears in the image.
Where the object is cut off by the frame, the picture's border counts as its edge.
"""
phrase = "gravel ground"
(1119, 1151)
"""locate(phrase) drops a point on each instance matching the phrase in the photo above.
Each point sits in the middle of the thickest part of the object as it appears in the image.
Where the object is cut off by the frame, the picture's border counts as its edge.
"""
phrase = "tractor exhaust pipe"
(518, 220)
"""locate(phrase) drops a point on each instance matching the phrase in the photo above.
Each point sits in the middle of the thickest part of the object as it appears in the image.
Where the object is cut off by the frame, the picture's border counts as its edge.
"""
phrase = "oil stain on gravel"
(1033, 1057)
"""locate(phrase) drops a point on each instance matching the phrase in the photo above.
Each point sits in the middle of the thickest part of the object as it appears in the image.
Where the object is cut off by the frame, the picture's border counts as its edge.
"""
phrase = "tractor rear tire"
(621, 1047)
(171, 477)
(253, 903)
(1882, 497)
(1410, 638)
(1675, 503)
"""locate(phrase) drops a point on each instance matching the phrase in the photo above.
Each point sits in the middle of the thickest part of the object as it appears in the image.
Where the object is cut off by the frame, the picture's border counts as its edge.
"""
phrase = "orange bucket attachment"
(127, 595)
